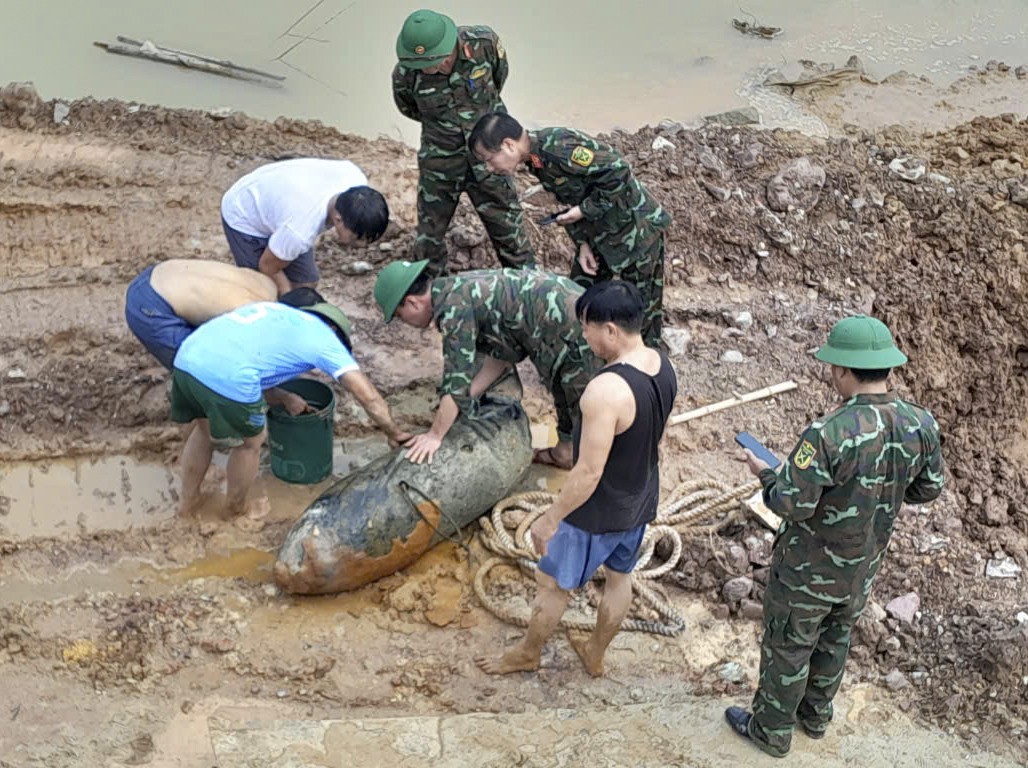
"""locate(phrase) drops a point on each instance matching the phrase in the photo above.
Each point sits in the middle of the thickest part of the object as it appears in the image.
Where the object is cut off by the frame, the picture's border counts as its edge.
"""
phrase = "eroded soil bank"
(107, 637)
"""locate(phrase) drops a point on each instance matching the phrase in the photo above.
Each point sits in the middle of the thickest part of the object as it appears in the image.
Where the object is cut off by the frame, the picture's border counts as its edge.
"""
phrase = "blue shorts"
(574, 555)
(248, 249)
(153, 321)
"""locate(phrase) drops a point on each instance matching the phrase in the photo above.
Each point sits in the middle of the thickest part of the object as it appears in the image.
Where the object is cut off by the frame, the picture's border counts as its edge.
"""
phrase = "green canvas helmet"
(861, 342)
(393, 282)
(426, 39)
(334, 315)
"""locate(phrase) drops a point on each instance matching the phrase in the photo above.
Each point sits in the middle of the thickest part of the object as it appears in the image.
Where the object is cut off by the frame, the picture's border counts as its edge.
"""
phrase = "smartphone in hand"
(758, 449)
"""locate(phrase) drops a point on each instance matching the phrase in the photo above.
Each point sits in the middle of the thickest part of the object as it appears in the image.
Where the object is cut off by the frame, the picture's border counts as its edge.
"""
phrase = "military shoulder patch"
(478, 72)
(499, 49)
(804, 455)
(582, 156)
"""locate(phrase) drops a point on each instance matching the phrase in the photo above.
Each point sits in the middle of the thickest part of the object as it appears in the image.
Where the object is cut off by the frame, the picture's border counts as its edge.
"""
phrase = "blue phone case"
(758, 449)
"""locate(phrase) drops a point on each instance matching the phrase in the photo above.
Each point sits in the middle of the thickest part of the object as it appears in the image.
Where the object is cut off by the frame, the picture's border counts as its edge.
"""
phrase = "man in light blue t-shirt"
(223, 368)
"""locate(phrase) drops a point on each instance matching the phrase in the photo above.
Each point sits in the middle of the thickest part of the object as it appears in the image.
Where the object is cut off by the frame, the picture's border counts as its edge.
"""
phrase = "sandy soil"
(109, 640)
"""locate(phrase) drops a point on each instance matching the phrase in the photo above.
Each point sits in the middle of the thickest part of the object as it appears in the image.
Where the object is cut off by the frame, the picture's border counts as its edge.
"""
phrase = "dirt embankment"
(939, 255)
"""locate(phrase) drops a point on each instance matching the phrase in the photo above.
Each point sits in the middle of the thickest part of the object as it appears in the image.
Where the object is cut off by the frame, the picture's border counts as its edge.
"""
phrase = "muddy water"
(575, 62)
(70, 496)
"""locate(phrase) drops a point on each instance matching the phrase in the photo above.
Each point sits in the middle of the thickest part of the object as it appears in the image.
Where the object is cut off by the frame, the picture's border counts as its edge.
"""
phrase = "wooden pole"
(749, 397)
(155, 53)
(222, 62)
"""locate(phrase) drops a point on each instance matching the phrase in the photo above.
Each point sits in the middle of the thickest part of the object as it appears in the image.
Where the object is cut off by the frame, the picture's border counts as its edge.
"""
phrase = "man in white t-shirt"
(223, 368)
(273, 215)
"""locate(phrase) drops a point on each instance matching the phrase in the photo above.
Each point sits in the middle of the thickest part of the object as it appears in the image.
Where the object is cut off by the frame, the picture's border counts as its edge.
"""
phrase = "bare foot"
(189, 506)
(255, 517)
(514, 660)
(593, 665)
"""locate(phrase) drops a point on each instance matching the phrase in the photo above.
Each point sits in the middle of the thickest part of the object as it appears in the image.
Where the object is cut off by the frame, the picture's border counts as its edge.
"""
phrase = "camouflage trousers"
(566, 375)
(440, 183)
(645, 272)
(802, 655)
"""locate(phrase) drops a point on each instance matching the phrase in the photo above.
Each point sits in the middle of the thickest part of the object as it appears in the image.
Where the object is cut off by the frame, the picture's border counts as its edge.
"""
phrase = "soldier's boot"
(741, 722)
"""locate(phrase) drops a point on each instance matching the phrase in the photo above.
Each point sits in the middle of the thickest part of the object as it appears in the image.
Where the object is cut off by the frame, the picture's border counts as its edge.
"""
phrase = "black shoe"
(811, 733)
(739, 719)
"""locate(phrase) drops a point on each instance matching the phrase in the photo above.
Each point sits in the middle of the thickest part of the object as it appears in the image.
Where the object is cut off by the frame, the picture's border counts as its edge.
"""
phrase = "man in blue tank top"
(611, 492)
(222, 370)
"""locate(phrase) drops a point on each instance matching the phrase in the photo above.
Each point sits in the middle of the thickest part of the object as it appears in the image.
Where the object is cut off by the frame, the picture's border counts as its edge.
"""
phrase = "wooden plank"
(749, 397)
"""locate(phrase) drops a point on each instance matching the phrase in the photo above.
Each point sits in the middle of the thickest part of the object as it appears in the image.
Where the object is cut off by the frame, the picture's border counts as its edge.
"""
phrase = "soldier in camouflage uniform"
(838, 495)
(446, 79)
(616, 223)
(505, 315)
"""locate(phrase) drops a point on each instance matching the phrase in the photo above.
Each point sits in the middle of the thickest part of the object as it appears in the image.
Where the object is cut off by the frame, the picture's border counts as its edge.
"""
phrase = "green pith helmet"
(394, 281)
(861, 342)
(426, 39)
(333, 314)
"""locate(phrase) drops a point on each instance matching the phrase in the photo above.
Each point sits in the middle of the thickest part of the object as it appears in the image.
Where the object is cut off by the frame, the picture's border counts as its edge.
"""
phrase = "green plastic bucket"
(301, 446)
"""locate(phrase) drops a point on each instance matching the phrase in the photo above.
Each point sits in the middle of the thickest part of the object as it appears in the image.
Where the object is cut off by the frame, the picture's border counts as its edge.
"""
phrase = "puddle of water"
(124, 578)
(71, 496)
(249, 564)
(591, 65)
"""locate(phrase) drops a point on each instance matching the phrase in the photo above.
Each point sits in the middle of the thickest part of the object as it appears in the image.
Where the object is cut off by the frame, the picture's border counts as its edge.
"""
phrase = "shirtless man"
(167, 302)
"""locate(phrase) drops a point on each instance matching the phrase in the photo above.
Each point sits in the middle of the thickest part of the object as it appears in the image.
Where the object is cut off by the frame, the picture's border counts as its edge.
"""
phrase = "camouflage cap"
(426, 39)
(334, 315)
(861, 342)
(393, 282)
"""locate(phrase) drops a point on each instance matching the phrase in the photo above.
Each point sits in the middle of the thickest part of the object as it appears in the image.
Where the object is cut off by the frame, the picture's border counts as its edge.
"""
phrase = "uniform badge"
(804, 455)
(419, 50)
(478, 72)
(582, 156)
(499, 50)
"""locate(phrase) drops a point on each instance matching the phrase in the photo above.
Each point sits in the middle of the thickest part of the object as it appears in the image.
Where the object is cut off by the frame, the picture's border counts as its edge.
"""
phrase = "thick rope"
(505, 533)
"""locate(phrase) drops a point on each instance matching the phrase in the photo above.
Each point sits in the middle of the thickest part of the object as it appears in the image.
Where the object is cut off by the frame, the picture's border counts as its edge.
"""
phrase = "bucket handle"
(406, 488)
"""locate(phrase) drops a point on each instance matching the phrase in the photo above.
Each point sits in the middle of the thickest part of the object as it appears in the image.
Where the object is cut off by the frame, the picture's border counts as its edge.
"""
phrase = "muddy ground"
(119, 643)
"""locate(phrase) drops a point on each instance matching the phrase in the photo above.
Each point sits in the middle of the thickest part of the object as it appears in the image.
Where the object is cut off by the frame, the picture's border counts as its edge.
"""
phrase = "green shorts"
(190, 399)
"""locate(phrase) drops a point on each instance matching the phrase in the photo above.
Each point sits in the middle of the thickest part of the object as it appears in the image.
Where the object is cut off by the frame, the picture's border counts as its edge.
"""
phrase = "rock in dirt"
(744, 116)
(731, 672)
(734, 590)
(797, 185)
(958, 155)
(1007, 568)
(995, 511)
(677, 340)
(904, 608)
(720, 194)
(61, 112)
(661, 143)
(908, 168)
(896, 680)
(1006, 169)
(1019, 193)
(732, 356)
(751, 609)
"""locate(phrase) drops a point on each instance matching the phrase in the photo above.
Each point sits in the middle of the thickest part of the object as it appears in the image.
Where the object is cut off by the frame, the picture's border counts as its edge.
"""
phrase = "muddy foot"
(593, 665)
(190, 506)
(255, 517)
(515, 660)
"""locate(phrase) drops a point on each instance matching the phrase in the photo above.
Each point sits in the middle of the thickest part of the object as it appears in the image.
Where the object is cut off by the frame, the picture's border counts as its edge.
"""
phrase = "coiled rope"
(505, 533)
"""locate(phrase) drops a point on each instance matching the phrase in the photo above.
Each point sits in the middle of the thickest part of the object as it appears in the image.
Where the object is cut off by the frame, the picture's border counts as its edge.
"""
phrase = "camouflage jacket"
(620, 217)
(842, 486)
(448, 106)
(507, 314)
